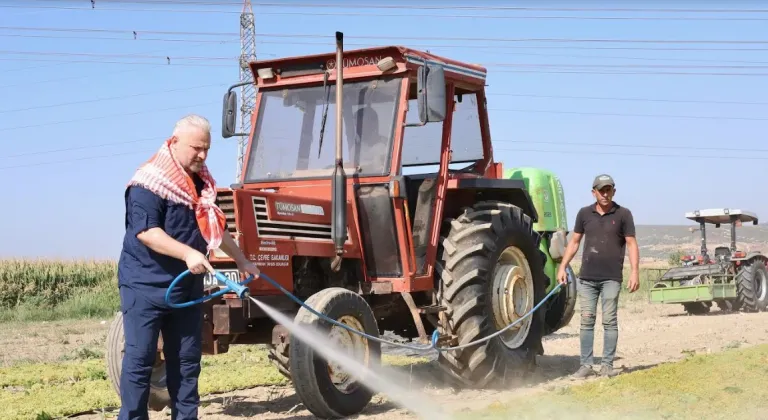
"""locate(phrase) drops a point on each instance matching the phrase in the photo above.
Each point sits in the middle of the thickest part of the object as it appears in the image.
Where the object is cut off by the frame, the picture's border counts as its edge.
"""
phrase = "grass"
(730, 384)
(63, 388)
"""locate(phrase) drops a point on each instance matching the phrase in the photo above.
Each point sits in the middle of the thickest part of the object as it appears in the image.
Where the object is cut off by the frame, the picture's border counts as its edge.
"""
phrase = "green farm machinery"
(548, 198)
(732, 278)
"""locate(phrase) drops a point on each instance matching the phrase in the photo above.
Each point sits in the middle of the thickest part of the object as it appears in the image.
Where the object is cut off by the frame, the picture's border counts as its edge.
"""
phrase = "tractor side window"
(466, 137)
(421, 145)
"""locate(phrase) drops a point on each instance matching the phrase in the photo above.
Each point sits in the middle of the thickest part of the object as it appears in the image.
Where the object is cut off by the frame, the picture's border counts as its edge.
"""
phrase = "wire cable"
(122, 114)
(399, 37)
(380, 15)
(112, 98)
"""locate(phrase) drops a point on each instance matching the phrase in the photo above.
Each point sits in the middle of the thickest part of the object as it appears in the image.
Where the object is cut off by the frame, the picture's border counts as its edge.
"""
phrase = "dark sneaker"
(608, 371)
(583, 373)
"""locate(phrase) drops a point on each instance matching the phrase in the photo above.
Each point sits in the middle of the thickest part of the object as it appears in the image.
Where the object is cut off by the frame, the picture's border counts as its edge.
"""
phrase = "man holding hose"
(171, 220)
(608, 230)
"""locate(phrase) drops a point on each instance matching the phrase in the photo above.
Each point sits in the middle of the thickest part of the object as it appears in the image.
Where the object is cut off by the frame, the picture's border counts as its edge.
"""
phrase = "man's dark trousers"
(181, 329)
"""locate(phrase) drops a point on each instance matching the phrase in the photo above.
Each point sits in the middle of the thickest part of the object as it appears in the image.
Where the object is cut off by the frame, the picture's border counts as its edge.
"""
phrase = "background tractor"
(733, 279)
(404, 223)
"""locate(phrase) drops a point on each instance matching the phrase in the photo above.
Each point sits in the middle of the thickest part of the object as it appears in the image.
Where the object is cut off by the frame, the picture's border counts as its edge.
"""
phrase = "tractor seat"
(722, 251)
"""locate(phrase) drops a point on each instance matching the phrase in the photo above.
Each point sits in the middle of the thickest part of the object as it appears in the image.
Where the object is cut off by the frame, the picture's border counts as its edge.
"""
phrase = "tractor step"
(431, 309)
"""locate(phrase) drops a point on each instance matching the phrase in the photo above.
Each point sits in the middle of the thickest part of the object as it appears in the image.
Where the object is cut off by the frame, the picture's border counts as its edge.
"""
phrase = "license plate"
(210, 281)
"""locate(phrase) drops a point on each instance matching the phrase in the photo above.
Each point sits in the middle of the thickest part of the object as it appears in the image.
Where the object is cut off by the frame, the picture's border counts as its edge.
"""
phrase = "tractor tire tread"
(747, 299)
(302, 365)
(463, 275)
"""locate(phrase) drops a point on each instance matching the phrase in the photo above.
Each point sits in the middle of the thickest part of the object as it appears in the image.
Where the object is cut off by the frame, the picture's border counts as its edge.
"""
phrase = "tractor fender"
(510, 191)
(753, 254)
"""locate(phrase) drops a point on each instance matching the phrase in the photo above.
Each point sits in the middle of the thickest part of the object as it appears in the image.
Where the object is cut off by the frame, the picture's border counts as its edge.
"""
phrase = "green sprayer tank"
(546, 192)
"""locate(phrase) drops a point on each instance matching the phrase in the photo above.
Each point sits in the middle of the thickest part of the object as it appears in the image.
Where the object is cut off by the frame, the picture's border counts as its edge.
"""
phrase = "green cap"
(602, 181)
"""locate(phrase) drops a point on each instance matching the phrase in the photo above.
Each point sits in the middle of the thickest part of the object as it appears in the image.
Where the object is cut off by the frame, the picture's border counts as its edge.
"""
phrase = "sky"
(78, 116)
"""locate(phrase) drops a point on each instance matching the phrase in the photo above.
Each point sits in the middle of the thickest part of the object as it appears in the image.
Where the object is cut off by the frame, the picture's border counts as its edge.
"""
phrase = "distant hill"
(658, 242)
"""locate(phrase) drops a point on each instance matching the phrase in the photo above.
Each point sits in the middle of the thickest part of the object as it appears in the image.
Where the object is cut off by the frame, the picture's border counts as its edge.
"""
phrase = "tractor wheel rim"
(761, 285)
(512, 296)
(354, 346)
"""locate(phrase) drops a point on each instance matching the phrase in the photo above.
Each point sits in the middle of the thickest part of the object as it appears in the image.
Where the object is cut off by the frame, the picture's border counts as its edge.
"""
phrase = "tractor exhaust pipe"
(339, 180)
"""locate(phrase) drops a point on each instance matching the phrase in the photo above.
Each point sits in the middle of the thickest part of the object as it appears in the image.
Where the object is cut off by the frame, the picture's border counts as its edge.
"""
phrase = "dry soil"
(649, 335)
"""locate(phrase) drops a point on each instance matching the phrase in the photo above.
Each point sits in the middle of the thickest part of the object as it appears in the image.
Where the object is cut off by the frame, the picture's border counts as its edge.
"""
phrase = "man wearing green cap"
(608, 230)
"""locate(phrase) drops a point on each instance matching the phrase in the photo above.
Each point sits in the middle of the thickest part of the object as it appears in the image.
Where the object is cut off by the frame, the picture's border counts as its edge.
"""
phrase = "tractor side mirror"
(431, 93)
(229, 116)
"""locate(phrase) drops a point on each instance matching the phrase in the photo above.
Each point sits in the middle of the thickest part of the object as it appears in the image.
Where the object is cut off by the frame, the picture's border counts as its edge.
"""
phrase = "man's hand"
(634, 282)
(562, 277)
(196, 262)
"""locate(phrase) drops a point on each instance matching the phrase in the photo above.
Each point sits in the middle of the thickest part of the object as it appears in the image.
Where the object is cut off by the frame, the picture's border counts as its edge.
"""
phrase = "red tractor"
(404, 223)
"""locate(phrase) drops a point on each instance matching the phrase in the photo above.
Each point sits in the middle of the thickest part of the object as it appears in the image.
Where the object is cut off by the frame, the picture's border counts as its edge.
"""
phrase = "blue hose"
(231, 287)
(242, 291)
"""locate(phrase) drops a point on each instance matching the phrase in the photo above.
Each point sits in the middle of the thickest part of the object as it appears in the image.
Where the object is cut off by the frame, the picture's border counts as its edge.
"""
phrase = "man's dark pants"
(181, 329)
(608, 292)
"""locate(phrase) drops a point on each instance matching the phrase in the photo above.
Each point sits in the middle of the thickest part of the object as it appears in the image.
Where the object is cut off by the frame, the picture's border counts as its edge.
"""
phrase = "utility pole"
(247, 91)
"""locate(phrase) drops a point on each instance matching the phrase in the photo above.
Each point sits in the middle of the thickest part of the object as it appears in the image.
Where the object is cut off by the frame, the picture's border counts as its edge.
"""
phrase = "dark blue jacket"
(146, 272)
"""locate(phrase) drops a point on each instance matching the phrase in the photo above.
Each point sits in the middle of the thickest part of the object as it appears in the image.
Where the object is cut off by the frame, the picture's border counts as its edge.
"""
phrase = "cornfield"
(47, 283)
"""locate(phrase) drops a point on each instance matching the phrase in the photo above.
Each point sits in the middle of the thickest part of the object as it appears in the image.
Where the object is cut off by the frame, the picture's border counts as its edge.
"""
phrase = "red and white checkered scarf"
(163, 175)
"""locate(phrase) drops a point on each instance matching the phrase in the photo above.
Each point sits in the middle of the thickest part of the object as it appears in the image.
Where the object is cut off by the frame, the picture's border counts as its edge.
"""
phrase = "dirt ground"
(648, 335)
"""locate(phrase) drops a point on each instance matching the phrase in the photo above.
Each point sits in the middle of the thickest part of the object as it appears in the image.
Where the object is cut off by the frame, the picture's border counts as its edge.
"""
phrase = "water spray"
(242, 292)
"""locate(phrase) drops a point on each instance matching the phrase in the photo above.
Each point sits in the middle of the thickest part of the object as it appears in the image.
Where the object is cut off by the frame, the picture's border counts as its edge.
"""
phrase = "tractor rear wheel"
(158, 391)
(491, 274)
(752, 285)
(326, 388)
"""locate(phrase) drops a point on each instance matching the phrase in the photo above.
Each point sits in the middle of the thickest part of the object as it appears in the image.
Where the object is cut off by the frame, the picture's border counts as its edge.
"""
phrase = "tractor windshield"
(286, 141)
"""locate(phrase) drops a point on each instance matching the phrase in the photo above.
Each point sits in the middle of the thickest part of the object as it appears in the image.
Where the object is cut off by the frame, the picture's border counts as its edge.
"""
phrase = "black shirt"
(604, 241)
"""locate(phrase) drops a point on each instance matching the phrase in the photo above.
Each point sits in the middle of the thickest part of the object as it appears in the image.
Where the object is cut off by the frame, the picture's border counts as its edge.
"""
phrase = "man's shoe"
(583, 373)
(608, 371)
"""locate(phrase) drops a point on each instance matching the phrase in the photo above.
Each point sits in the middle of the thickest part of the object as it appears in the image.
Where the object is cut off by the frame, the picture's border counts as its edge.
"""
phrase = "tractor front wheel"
(158, 391)
(326, 388)
(492, 274)
(752, 285)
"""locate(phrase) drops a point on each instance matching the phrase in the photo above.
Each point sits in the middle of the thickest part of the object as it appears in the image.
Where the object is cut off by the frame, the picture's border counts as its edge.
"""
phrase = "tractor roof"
(309, 64)
(722, 216)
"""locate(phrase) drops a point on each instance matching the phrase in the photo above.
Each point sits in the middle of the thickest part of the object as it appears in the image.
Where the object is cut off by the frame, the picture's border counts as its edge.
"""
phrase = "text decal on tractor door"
(210, 281)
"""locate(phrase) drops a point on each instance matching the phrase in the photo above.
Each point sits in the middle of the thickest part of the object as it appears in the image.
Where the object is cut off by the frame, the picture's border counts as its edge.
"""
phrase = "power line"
(640, 146)
(441, 7)
(490, 109)
(495, 141)
(79, 54)
(474, 49)
(603, 98)
(169, 59)
(122, 114)
(409, 15)
(433, 38)
(69, 149)
(38, 82)
(421, 45)
(77, 159)
(659, 155)
(111, 98)
(557, 151)
(536, 69)
(617, 114)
